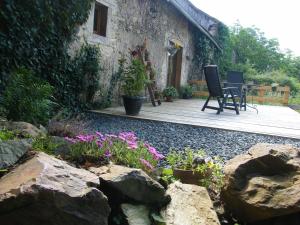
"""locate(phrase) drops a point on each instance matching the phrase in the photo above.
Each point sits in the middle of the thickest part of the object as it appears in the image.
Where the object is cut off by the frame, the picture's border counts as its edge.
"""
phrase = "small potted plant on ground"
(194, 167)
(134, 81)
(170, 93)
(186, 92)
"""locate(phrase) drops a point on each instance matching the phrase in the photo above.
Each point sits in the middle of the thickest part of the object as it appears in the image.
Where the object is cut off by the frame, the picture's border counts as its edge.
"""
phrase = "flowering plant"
(123, 148)
(197, 161)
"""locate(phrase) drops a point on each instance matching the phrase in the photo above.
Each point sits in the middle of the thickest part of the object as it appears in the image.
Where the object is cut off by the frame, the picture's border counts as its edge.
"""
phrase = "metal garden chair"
(221, 94)
(236, 79)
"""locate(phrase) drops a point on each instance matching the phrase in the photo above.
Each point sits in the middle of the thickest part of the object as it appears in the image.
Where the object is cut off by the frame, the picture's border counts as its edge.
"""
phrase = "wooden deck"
(271, 120)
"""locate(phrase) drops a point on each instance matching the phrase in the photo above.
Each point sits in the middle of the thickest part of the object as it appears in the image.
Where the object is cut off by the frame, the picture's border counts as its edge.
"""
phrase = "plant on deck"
(134, 78)
(170, 91)
(186, 91)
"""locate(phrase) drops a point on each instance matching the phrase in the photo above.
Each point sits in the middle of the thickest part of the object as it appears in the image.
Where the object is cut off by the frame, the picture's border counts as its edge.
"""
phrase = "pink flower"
(99, 144)
(85, 138)
(156, 155)
(146, 164)
(112, 136)
(132, 145)
(99, 134)
(107, 154)
(72, 140)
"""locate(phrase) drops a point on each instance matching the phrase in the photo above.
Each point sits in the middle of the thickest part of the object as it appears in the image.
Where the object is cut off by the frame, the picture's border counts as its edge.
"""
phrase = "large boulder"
(263, 183)
(12, 151)
(190, 205)
(48, 191)
(22, 128)
(130, 184)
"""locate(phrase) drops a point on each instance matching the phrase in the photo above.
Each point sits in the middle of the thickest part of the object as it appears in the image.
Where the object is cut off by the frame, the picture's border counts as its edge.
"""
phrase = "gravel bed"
(164, 136)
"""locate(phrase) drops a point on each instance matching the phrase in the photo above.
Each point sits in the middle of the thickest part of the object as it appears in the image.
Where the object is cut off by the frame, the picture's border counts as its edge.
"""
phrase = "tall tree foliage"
(248, 49)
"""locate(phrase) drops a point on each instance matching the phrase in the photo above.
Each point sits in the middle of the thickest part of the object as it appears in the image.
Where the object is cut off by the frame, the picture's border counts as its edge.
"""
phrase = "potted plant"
(186, 92)
(169, 93)
(194, 167)
(134, 81)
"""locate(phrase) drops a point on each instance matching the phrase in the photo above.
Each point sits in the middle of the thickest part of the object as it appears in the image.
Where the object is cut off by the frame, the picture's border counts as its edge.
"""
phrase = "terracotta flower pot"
(189, 176)
(169, 99)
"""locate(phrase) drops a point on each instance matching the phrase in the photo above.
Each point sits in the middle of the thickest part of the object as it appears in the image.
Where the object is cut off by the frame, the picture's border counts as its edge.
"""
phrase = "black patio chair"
(236, 79)
(221, 94)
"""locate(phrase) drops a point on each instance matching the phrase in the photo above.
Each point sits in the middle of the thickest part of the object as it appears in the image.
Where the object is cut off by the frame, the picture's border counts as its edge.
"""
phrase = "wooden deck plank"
(271, 120)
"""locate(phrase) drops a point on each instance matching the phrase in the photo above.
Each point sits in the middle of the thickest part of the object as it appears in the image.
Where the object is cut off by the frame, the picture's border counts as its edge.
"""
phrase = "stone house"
(117, 25)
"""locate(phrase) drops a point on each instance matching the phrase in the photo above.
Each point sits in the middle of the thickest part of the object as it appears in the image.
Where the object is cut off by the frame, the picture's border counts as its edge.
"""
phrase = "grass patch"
(6, 135)
(45, 144)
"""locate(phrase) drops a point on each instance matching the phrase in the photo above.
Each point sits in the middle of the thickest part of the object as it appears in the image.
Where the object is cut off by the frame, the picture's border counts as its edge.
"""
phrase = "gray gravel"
(164, 136)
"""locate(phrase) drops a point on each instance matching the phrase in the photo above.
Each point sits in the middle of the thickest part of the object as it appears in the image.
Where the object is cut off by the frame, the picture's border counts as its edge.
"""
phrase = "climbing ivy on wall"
(206, 52)
(36, 34)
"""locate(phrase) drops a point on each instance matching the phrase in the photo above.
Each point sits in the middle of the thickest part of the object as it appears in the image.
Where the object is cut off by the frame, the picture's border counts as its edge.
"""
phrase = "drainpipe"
(179, 7)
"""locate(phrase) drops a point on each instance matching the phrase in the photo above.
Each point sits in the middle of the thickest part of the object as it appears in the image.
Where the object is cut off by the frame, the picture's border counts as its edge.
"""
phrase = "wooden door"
(174, 71)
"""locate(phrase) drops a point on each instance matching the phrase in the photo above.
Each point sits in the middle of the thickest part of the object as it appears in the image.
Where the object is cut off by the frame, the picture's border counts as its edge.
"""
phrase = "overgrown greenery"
(82, 78)
(36, 35)
(28, 98)
(206, 52)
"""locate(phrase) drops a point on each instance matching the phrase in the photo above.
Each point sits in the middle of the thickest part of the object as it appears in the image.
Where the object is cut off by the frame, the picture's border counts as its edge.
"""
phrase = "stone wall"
(129, 23)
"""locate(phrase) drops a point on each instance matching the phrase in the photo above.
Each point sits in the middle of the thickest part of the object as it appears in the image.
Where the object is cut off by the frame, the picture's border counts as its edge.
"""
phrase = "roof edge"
(193, 21)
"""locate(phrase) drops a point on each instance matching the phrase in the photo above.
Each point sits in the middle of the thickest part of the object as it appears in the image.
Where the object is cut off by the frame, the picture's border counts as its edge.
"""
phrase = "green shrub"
(279, 77)
(27, 98)
(134, 78)
(170, 92)
(82, 78)
(186, 91)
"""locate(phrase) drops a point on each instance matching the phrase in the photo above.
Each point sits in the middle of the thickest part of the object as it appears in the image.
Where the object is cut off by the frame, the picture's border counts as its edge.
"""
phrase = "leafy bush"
(134, 78)
(27, 98)
(82, 78)
(37, 35)
(279, 77)
(186, 91)
(124, 149)
(170, 92)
